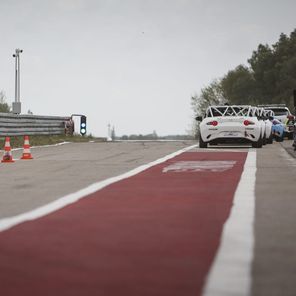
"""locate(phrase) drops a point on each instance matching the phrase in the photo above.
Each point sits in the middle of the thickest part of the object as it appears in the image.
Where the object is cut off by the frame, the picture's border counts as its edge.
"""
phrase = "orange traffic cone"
(26, 151)
(7, 157)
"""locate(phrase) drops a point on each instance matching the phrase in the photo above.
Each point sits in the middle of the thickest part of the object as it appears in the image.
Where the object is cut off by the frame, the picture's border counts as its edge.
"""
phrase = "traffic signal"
(83, 125)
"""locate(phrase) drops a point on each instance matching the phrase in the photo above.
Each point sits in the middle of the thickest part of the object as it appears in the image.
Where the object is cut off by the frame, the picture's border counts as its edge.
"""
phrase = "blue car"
(278, 130)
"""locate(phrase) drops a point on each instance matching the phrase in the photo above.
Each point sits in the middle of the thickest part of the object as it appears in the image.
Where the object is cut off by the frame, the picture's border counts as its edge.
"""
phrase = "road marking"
(230, 273)
(52, 145)
(200, 166)
(153, 232)
(9, 222)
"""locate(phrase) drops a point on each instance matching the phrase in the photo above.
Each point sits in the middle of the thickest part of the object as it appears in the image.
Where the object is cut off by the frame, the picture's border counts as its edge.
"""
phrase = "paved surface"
(274, 272)
(57, 171)
(287, 145)
(155, 233)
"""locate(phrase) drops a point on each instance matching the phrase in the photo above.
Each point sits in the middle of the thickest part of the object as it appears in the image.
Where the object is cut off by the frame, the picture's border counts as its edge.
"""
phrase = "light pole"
(16, 105)
(109, 133)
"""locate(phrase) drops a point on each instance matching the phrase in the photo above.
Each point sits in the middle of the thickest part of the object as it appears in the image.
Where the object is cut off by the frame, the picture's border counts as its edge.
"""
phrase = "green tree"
(262, 65)
(238, 86)
(274, 70)
(4, 107)
(270, 78)
(210, 95)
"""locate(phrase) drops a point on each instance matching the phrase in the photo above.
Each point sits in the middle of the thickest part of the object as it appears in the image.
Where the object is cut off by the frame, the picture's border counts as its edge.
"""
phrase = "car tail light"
(290, 117)
(248, 122)
(213, 123)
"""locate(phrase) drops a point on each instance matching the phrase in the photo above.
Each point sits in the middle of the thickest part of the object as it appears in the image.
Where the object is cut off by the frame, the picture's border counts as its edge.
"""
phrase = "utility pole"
(109, 138)
(16, 105)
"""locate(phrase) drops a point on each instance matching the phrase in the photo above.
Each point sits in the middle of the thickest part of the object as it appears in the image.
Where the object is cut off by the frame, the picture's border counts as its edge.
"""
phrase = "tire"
(264, 140)
(270, 139)
(290, 136)
(258, 144)
(281, 139)
(202, 144)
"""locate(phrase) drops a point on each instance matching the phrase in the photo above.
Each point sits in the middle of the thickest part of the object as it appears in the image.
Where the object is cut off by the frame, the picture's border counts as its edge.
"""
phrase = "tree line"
(268, 78)
(153, 137)
(4, 107)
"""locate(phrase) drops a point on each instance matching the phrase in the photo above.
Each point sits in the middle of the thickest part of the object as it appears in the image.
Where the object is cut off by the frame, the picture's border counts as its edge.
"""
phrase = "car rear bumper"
(231, 141)
(248, 135)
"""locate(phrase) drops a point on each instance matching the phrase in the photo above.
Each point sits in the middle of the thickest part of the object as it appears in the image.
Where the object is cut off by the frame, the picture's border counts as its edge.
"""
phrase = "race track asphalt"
(155, 233)
(274, 267)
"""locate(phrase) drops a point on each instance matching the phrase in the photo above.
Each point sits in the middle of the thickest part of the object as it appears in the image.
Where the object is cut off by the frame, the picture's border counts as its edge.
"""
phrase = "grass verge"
(17, 142)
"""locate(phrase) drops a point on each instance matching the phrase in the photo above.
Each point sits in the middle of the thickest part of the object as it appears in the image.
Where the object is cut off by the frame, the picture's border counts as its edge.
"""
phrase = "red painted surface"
(152, 234)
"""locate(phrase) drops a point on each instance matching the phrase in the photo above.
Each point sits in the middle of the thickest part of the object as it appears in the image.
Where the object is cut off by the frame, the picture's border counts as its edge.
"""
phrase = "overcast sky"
(131, 63)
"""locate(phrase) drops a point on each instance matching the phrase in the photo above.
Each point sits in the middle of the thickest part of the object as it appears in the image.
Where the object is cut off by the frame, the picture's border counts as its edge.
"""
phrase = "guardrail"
(20, 125)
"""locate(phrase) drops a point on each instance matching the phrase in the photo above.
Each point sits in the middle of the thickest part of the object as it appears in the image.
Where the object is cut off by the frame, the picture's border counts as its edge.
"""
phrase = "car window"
(218, 111)
(280, 112)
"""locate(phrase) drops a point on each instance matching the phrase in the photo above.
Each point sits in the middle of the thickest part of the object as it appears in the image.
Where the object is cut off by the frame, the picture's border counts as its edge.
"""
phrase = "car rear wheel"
(270, 139)
(281, 139)
(264, 140)
(258, 144)
(290, 136)
(202, 144)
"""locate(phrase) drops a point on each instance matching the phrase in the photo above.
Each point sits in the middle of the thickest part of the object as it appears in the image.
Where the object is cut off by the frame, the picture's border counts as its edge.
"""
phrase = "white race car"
(258, 112)
(263, 116)
(230, 124)
(268, 117)
(283, 114)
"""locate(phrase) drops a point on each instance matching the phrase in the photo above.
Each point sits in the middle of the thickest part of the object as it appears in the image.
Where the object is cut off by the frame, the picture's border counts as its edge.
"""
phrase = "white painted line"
(230, 273)
(7, 223)
(52, 145)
